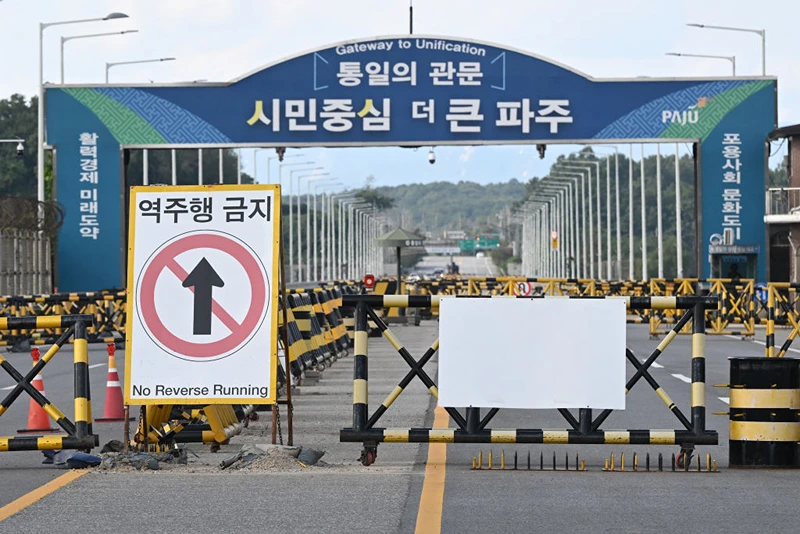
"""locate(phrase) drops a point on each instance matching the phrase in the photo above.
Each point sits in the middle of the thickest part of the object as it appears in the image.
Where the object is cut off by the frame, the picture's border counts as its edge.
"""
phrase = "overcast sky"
(218, 40)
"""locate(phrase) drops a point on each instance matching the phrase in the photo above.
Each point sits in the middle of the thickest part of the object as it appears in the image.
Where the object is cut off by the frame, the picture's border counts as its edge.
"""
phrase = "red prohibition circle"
(167, 255)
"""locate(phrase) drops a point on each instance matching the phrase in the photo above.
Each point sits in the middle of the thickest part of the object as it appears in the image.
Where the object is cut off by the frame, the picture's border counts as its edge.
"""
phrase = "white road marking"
(764, 344)
(654, 365)
(683, 378)
(726, 400)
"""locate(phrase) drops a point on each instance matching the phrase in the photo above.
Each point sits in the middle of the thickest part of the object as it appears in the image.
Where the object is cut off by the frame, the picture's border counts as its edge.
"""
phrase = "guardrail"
(472, 427)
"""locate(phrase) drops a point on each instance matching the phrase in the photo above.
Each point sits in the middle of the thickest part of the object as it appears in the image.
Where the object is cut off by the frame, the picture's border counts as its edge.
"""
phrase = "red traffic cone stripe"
(38, 420)
(113, 409)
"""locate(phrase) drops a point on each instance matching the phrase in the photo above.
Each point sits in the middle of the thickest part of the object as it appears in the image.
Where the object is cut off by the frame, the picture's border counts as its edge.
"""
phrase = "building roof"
(785, 131)
(400, 238)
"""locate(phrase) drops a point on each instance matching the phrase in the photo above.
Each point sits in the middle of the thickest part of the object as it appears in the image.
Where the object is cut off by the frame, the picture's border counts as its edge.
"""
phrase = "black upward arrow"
(203, 277)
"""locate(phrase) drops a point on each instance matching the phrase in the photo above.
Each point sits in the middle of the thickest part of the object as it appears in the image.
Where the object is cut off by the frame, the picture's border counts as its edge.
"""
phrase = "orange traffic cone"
(113, 409)
(38, 420)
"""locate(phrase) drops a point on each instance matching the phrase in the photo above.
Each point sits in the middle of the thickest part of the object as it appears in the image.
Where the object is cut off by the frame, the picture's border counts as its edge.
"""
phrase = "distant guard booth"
(410, 92)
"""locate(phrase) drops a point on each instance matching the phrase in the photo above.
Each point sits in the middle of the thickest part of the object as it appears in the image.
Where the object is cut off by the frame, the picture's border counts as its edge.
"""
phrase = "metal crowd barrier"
(737, 300)
(316, 338)
(472, 426)
(79, 433)
(783, 309)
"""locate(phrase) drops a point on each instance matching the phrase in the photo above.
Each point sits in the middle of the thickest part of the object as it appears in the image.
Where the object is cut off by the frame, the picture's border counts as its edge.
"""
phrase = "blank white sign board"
(532, 353)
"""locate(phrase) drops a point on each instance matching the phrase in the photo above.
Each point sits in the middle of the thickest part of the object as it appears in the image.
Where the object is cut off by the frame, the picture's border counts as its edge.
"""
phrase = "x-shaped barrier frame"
(79, 433)
(472, 428)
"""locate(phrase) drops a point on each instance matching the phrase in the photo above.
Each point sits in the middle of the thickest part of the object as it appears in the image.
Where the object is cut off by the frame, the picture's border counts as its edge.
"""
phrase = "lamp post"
(732, 59)
(291, 217)
(134, 62)
(645, 274)
(270, 158)
(338, 250)
(608, 209)
(41, 133)
(581, 241)
(599, 224)
(312, 243)
(762, 33)
(567, 213)
(291, 223)
(299, 225)
(255, 164)
(322, 236)
(87, 36)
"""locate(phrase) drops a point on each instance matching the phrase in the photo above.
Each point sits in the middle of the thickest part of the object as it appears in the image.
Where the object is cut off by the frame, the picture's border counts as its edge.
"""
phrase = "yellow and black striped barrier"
(764, 412)
(472, 427)
(79, 432)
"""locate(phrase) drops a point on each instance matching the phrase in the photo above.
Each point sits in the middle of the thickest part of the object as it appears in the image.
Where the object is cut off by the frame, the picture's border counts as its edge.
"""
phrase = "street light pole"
(732, 59)
(312, 243)
(134, 62)
(645, 274)
(659, 234)
(302, 269)
(582, 233)
(762, 33)
(71, 37)
(321, 237)
(41, 131)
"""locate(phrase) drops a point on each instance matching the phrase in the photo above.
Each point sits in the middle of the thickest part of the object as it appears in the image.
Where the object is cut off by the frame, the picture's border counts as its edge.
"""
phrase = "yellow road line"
(39, 493)
(429, 516)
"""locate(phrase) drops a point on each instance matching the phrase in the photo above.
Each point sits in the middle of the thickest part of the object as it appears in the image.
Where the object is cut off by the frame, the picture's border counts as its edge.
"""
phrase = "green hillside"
(442, 206)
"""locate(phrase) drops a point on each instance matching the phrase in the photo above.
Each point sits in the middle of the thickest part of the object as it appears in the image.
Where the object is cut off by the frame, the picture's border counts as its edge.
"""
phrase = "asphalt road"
(23, 471)
(386, 496)
(468, 265)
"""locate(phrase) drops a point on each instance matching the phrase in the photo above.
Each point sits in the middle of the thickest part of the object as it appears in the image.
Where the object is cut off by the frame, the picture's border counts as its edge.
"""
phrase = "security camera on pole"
(20, 145)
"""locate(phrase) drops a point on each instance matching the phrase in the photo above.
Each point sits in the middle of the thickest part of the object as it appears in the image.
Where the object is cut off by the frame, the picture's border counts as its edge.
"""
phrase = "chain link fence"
(28, 230)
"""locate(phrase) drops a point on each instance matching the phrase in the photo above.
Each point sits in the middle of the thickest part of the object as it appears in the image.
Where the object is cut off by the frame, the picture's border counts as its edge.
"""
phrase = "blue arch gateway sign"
(403, 91)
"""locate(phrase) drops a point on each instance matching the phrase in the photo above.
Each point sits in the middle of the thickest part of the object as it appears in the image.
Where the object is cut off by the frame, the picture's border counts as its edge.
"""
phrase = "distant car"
(438, 271)
(480, 255)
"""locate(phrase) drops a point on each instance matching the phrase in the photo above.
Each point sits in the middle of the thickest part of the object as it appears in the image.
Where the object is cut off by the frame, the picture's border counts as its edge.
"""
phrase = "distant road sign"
(202, 311)
(523, 289)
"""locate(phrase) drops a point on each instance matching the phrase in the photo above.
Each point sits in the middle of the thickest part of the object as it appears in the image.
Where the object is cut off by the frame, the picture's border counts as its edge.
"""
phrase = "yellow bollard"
(490, 459)
(502, 460)
(474, 461)
(635, 462)
(715, 466)
(622, 462)
(605, 468)
(708, 462)
(480, 459)
(583, 465)
(612, 461)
